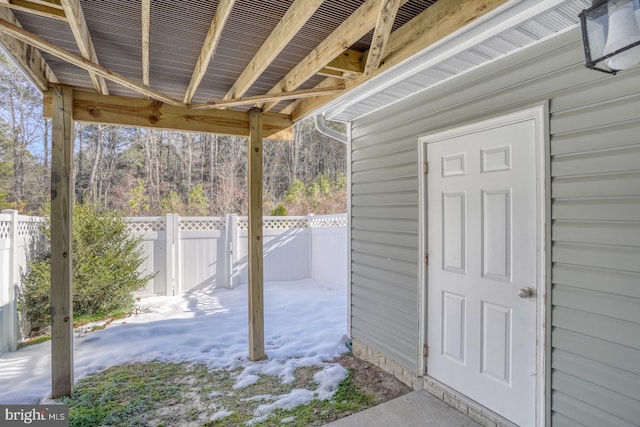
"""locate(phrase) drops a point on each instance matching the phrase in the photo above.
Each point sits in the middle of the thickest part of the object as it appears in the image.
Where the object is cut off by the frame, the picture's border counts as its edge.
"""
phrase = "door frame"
(539, 113)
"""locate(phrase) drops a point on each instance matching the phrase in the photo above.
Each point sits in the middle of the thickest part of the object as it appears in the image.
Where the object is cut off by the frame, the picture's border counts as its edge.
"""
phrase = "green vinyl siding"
(594, 123)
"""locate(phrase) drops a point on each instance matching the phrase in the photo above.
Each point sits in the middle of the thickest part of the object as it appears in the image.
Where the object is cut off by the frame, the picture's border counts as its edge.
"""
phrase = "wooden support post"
(256, 300)
(61, 250)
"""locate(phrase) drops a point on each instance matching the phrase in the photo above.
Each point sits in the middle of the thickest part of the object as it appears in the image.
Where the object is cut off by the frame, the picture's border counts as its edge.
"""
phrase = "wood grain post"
(256, 300)
(61, 248)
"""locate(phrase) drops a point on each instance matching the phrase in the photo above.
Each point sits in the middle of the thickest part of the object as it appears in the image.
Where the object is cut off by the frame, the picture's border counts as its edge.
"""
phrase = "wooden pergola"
(238, 67)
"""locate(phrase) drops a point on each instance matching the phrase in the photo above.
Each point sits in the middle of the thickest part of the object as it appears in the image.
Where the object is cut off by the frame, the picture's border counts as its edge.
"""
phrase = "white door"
(482, 242)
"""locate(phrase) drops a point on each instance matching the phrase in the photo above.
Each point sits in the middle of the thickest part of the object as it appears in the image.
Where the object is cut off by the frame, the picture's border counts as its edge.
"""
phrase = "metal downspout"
(327, 131)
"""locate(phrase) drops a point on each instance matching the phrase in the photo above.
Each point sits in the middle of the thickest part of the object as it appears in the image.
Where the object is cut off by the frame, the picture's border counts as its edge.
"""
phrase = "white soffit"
(510, 28)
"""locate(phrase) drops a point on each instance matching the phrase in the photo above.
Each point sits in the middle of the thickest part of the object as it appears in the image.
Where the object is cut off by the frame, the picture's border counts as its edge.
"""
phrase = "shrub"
(105, 267)
(280, 210)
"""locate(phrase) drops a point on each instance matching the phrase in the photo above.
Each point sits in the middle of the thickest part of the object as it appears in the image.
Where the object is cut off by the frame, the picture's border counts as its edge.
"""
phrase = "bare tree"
(20, 105)
(174, 167)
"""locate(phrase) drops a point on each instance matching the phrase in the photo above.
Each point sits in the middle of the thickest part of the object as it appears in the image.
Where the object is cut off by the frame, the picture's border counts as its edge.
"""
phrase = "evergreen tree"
(106, 259)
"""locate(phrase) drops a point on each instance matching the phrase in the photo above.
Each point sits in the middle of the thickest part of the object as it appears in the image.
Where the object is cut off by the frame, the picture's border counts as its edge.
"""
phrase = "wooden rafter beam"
(438, 21)
(333, 73)
(296, 16)
(26, 56)
(139, 112)
(313, 103)
(348, 64)
(351, 30)
(70, 57)
(208, 47)
(48, 10)
(51, 3)
(384, 24)
(249, 100)
(146, 21)
(443, 18)
(80, 30)
(284, 135)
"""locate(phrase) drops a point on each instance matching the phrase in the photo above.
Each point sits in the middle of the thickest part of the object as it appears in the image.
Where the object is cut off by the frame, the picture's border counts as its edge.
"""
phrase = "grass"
(120, 395)
(33, 341)
(182, 394)
(347, 400)
(77, 322)
(88, 318)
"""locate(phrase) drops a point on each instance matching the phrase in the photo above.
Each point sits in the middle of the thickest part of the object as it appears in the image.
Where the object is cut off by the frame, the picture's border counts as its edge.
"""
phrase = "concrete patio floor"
(416, 409)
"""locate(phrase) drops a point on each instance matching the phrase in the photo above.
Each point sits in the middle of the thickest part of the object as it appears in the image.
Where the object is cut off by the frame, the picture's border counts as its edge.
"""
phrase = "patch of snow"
(246, 381)
(290, 400)
(222, 413)
(256, 420)
(258, 397)
(305, 325)
(287, 420)
(329, 379)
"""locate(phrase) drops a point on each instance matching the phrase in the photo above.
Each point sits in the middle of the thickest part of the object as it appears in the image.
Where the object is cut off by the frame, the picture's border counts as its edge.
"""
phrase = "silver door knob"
(525, 293)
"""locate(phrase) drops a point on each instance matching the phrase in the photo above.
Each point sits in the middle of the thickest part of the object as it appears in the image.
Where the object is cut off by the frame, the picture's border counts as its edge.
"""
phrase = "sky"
(305, 324)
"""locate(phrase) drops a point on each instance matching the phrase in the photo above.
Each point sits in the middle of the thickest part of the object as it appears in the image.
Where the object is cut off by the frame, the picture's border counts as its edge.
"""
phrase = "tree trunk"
(97, 155)
(18, 151)
(45, 146)
(79, 184)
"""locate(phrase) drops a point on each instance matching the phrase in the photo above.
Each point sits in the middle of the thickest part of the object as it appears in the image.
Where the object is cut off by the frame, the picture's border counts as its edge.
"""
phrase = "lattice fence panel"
(5, 228)
(284, 223)
(28, 228)
(243, 224)
(328, 222)
(146, 226)
(215, 224)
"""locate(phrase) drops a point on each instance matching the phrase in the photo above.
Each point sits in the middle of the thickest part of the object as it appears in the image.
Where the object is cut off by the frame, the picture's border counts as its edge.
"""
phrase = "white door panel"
(482, 245)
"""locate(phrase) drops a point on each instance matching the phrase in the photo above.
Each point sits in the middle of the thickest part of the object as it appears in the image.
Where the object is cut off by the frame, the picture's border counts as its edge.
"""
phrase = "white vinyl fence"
(186, 253)
(18, 237)
(190, 252)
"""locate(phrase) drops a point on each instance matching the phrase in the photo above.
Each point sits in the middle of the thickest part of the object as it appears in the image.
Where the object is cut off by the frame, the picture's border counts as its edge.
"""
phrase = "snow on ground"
(305, 324)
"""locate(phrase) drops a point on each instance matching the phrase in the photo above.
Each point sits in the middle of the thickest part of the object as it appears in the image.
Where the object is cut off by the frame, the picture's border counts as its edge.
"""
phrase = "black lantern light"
(611, 35)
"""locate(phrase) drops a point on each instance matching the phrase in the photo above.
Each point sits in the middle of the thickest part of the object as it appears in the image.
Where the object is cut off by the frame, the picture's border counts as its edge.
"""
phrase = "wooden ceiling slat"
(208, 47)
(70, 57)
(27, 57)
(384, 24)
(292, 21)
(80, 30)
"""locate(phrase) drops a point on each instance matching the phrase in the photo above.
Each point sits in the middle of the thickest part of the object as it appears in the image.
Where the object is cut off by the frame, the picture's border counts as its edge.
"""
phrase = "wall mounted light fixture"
(611, 35)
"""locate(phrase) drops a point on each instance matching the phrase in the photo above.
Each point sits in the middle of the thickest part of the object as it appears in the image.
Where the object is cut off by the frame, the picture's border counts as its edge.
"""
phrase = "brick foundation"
(461, 403)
